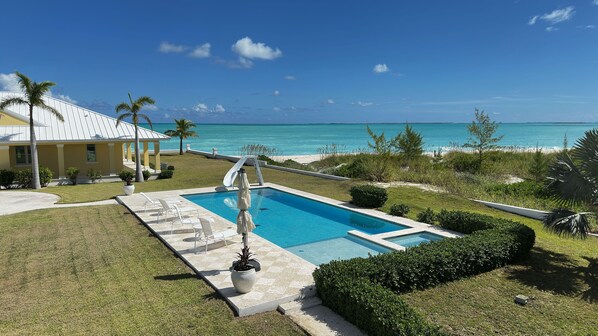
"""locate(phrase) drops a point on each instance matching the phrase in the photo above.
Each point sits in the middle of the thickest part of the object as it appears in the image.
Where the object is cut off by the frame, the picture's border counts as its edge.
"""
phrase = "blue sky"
(313, 61)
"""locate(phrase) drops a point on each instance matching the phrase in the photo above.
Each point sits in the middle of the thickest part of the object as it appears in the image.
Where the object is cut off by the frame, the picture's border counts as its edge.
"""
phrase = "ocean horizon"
(307, 139)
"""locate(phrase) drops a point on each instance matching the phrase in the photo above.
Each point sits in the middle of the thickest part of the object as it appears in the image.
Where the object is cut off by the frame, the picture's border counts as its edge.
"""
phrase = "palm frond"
(585, 153)
(146, 119)
(24, 81)
(121, 117)
(52, 110)
(13, 101)
(171, 133)
(565, 222)
(145, 100)
(123, 107)
(568, 183)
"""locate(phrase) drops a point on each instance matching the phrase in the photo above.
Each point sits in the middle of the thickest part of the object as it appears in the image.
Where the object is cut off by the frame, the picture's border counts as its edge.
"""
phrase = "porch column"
(4, 157)
(146, 155)
(111, 158)
(60, 151)
(129, 155)
(157, 155)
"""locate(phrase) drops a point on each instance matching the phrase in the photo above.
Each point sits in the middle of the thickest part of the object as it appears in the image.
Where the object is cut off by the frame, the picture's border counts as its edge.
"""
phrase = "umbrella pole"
(244, 233)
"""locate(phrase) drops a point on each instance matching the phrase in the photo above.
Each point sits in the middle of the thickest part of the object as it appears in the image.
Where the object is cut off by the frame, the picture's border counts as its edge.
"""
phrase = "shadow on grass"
(558, 273)
(174, 277)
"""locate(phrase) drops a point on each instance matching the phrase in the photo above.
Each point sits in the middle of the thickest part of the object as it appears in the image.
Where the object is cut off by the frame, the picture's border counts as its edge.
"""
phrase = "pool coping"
(284, 277)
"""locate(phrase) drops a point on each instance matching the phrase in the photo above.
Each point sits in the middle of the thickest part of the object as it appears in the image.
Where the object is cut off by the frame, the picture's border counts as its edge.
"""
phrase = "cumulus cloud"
(363, 104)
(554, 17)
(276, 93)
(219, 108)
(330, 101)
(201, 107)
(10, 82)
(201, 51)
(276, 109)
(381, 68)
(294, 78)
(66, 99)
(246, 48)
(150, 108)
(166, 47)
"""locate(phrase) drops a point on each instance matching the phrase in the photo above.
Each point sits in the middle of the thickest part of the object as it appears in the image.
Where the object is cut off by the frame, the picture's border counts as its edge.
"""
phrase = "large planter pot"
(243, 280)
(129, 189)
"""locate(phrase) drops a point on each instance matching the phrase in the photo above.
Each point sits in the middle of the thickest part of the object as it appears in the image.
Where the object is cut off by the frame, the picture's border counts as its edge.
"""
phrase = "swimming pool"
(313, 230)
(415, 239)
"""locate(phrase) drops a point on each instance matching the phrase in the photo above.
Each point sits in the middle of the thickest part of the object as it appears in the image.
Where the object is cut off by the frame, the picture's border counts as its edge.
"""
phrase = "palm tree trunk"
(34, 161)
(138, 174)
(181, 147)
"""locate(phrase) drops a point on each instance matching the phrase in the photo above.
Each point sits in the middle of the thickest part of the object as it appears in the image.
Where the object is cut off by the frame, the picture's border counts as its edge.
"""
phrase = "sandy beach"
(305, 159)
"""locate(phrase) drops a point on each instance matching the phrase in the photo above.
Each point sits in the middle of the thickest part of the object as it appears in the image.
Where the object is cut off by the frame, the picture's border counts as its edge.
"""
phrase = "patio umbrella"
(244, 220)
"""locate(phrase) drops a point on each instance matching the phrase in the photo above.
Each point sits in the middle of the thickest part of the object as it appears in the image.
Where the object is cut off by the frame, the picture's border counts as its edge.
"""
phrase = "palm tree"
(574, 180)
(33, 96)
(132, 111)
(183, 131)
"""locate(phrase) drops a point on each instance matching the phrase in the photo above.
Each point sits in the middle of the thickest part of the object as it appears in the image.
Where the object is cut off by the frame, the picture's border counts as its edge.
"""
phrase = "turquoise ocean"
(308, 138)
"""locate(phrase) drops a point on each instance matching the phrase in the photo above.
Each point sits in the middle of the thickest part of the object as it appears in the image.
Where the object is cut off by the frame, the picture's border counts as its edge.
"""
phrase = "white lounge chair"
(168, 209)
(210, 235)
(194, 222)
(149, 202)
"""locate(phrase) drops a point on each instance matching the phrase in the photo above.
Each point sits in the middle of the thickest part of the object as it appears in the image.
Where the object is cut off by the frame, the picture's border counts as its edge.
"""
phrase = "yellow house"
(86, 139)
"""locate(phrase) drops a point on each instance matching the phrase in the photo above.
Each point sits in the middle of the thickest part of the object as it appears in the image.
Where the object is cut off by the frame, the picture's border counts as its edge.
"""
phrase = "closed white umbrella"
(244, 220)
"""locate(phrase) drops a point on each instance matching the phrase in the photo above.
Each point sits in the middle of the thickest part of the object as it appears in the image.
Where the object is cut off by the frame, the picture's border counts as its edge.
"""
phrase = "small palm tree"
(132, 110)
(573, 178)
(183, 131)
(33, 97)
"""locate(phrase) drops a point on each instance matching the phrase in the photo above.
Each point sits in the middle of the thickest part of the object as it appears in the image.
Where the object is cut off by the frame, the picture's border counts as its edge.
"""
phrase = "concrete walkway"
(12, 202)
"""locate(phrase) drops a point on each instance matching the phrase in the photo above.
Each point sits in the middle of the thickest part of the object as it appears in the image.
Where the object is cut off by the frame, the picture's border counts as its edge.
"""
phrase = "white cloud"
(276, 109)
(551, 28)
(219, 108)
(10, 82)
(381, 68)
(166, 115)
(66, 99)
(244, 63)
(294, 78)
(246, 48)
(363, 104)
(587, 26)
(166, 47)
(150, 108)
(276, 93)
(330, 101)
(201, 107)
(201, 51)
(595, 2)
(556, 16)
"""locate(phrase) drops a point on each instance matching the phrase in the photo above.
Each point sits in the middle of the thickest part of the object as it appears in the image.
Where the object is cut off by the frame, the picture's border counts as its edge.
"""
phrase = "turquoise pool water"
(315, 231)
(415, 239)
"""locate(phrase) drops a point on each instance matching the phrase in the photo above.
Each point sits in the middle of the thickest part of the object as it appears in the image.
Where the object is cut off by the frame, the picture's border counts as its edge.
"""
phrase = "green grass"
(97, 270)
(561, 274)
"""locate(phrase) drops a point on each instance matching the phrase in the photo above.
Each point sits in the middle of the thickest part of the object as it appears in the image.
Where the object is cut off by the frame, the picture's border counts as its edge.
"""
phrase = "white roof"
(80, 124)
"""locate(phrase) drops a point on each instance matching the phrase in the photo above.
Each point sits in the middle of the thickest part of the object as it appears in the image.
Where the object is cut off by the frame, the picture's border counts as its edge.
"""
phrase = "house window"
(91, 153)
(23, 154)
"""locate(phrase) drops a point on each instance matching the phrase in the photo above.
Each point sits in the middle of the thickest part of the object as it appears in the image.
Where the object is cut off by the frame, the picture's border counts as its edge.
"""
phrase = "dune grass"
(97, 270)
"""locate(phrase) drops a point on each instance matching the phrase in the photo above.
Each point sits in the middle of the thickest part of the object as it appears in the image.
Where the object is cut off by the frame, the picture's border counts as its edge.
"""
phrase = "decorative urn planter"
(243, 281)
(129, 189)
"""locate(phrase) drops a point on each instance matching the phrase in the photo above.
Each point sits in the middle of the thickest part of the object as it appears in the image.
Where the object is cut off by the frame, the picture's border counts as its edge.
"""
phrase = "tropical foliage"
(573, 178)
(33, 96)
(183, 130)
(410, 143)
(132, 111)
(481, 132)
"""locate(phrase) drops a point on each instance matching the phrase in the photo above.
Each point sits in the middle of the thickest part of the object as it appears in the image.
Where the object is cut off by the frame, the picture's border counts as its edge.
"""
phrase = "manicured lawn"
(561, 275)
(194, 171)
(97, 270)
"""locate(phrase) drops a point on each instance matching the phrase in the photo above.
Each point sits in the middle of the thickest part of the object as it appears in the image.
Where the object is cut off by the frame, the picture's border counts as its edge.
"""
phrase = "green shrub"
(72, 173)
(399, 210)
(146, 174)
(45, 176)
(520, 189)
(165, 174)
(94, 174)
(170, 168)
(426, 216)
(126, 175)
(368, 196)
(6, 178)
(463, 162)
(361, 290)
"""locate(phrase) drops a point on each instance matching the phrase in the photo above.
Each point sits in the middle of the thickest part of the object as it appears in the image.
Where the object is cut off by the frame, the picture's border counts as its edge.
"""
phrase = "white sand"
(299, 158)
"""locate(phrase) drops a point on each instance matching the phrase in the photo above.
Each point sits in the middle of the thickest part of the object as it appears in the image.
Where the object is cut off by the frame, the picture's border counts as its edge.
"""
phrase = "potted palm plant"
(243, 271)
(127, 177)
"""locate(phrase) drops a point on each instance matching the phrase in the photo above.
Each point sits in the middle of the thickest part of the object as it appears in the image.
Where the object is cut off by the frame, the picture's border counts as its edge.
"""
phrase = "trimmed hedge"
(165, 174)
(368, 196)
(492, 243)
(6, 178)
(399, 210)
(427, 216)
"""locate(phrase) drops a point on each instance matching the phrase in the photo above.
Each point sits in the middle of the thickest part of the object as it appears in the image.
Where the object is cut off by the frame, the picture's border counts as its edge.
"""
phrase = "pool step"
(295, 306)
